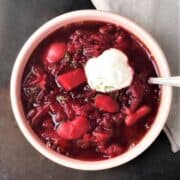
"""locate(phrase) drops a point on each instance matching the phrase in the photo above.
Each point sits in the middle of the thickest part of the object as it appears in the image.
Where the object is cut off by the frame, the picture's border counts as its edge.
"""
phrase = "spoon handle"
(171, 81)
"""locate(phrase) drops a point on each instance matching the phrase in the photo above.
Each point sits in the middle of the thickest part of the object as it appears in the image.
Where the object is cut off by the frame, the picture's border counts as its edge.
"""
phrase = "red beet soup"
(70, 117)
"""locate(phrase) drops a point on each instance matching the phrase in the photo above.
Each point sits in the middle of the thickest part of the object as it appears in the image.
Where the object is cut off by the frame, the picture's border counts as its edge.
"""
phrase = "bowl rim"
(44, 31)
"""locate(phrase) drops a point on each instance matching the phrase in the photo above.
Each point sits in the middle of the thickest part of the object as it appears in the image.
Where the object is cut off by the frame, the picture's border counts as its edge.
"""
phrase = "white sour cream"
(108, 72)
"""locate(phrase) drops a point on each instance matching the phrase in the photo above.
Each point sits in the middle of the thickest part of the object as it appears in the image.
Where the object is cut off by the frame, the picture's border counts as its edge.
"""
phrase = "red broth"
(66, 113)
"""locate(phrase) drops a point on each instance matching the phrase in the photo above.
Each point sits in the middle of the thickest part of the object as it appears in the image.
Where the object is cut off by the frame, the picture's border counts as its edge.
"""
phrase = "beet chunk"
(55, 52)
(72, 79)
(134, 118)
(106, 103)
(73, 129)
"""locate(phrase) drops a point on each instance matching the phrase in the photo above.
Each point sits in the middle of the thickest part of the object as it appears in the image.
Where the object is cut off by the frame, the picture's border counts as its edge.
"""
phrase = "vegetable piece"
(134, 118)
(72, 79)
(73, 129)
(106, 103)
(55, 52)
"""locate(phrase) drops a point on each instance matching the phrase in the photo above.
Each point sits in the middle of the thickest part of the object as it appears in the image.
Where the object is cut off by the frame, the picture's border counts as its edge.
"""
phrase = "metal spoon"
(170, 81)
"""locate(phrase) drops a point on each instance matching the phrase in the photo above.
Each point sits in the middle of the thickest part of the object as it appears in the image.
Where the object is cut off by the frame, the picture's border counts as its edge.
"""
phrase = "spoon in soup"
(170, 81)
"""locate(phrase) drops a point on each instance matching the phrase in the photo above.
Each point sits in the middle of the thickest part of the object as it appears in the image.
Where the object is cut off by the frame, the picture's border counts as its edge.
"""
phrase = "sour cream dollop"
(109, 71)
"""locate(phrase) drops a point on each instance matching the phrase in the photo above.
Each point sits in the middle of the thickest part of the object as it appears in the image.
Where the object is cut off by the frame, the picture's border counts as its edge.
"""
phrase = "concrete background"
(18, 160)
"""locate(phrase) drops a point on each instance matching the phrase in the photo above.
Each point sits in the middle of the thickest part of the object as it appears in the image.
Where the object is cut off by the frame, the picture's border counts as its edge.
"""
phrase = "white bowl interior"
(43, 32)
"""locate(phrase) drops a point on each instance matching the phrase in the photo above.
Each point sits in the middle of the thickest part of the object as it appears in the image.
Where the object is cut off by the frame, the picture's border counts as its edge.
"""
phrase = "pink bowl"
(52, 26)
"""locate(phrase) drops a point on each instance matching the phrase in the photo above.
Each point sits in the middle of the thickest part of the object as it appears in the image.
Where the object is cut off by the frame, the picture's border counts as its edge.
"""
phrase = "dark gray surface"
(18, 160)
